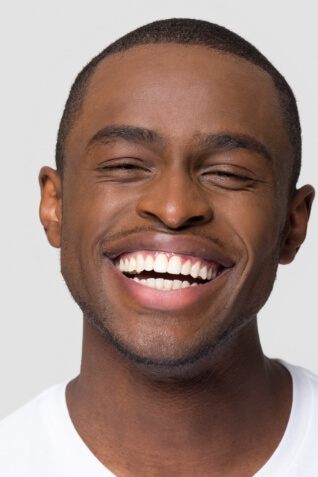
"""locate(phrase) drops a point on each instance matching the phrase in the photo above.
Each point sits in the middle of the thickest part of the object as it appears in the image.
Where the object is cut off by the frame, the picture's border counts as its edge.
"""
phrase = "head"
(178, 154)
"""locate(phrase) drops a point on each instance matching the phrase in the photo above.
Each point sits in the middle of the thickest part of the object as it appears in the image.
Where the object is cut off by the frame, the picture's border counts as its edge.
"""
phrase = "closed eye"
(121, 170)
(226, 174)
(125, 166)
(226, 179)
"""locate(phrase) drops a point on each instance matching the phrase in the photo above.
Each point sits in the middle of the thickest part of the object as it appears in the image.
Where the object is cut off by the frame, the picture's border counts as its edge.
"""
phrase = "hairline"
(87, 73)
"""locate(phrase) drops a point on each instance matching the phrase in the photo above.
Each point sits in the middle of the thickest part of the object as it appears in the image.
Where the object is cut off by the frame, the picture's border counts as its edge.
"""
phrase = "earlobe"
(297, 222)
(51, 204)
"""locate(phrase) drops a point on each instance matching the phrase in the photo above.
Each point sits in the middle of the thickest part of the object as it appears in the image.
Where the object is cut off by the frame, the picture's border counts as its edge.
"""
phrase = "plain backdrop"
(43, 46)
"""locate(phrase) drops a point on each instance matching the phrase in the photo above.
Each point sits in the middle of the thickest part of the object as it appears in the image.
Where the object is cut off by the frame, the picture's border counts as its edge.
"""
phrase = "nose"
(176, 201)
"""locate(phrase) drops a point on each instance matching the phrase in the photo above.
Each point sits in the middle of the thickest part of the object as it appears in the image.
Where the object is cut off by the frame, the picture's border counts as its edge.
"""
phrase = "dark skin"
(221, 412)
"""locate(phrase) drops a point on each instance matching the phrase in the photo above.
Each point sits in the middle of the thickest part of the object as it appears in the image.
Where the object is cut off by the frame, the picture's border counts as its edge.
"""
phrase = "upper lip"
(162, 242)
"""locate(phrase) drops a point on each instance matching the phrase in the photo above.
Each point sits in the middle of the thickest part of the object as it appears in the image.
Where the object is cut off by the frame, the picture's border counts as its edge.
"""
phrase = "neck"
(183, 423)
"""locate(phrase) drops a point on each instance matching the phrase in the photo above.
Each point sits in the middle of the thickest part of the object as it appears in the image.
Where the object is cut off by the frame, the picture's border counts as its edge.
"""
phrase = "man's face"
(178, 152)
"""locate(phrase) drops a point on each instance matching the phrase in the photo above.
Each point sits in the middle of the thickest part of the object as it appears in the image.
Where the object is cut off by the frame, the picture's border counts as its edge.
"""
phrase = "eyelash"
(222, 178)
(125, 166)
(229, 175)
(135, 166)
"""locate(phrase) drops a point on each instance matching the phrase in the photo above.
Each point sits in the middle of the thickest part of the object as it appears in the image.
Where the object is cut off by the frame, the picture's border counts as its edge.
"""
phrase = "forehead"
(180, 91)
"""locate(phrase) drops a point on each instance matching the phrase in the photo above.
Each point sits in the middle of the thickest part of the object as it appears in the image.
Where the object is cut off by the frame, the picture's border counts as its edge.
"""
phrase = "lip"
(194, 246)
(172, 300)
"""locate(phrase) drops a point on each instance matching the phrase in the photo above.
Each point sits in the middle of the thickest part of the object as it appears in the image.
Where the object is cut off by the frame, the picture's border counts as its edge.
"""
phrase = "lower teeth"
(163, 284)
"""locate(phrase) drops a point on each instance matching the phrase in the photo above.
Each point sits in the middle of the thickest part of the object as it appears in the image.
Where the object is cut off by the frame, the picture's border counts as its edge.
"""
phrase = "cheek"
(92, 209)
(255, 223)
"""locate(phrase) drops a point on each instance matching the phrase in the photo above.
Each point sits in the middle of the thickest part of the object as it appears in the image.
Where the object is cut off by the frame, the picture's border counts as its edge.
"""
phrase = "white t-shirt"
(39, 440)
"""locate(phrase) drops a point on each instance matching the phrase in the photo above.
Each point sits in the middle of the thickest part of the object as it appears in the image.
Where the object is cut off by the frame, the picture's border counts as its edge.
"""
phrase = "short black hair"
(188, 32)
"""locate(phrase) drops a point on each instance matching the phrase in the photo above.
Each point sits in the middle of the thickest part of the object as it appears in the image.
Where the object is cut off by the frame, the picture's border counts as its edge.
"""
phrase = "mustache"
(149, 229)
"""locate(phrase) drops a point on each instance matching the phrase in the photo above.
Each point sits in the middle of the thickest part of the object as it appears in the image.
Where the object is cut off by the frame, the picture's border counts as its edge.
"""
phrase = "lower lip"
(151, 298)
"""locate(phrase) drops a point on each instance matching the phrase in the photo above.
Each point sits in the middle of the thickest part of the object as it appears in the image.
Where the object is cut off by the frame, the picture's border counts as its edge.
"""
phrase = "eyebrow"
(229, 141)
(132, 134)
(218, 142)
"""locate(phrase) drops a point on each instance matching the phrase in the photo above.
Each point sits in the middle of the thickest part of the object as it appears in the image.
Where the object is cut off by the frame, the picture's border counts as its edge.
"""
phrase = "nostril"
(177, 223)
(197, 219)
(177, 212)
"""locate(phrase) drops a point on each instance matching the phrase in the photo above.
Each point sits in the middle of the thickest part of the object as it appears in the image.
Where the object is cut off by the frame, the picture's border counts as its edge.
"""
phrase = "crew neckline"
(280, 462)
(286, 453)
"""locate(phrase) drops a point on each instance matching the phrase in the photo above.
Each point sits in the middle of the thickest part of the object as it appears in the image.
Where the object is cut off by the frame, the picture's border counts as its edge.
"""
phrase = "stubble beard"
(193, 362)
(100, 316)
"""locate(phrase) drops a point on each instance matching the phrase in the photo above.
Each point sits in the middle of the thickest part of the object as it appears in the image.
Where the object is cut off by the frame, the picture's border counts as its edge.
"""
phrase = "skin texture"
(182, 391)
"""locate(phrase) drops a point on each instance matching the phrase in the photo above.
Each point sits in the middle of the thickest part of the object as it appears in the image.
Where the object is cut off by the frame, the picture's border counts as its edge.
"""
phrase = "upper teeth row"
(162, 263)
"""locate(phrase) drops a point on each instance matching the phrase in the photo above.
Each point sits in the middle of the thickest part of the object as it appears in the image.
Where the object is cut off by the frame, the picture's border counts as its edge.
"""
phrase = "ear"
(51, 204)
(296, 223)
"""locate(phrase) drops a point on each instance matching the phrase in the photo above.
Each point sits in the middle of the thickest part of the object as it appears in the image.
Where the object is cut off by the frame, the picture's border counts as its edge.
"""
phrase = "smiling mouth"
(167, 271)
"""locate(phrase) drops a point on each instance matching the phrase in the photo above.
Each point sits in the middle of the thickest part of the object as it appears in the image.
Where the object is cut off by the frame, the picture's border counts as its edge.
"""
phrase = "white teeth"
(132, 265)
(176, 284)
(203, 272)
(186, 268)
(151, 282)
(139, 263)
(185, 284)
(174, 265)
(167, 284)
(148, 265)
(159, 283)
(161, 263)
(195, 270)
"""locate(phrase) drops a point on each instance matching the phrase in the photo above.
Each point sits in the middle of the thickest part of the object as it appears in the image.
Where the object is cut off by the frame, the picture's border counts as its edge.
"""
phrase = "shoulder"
(305, 414)
(303, 378)
(33, 412)
(27, 430)
(305, 390)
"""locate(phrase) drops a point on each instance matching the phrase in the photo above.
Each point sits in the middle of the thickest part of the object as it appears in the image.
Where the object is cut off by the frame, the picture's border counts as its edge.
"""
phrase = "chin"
(161, 361)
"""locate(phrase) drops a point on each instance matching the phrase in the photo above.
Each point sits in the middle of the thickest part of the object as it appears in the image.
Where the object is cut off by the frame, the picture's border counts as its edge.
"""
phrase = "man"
(173, 203)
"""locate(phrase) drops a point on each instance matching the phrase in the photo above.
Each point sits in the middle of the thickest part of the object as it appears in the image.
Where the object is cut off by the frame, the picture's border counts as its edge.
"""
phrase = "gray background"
(44, 44)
